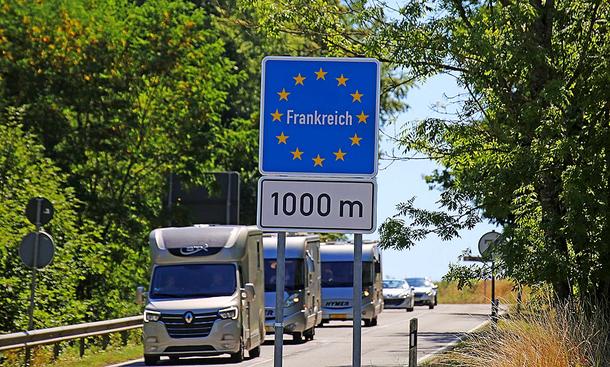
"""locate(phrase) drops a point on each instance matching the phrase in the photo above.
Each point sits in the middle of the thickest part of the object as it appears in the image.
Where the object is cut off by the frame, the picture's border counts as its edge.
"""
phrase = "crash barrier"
(55, 335)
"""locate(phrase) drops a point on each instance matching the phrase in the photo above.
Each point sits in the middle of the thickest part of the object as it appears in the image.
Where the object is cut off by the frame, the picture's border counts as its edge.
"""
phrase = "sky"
(404, 179)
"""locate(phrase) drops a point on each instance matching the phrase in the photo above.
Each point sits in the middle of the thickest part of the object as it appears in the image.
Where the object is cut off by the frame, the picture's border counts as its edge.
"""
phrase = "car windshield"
(417, 282)
(393, 283)
(341, 274)
(295, 275)
(193, 281)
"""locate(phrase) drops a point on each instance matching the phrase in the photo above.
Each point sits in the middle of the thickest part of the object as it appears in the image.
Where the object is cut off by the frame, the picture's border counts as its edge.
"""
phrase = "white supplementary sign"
(317, 205)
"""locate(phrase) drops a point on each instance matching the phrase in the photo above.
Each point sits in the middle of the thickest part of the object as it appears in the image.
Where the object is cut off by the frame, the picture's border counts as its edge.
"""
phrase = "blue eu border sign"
(319, 116)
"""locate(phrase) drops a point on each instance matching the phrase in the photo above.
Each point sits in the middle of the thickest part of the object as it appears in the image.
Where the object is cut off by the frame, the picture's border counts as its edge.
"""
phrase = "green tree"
(528, 145)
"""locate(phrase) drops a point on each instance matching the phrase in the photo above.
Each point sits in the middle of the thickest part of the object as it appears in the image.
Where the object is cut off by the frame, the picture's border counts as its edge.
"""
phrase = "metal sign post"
(279, 299)
(33, 283)
(357, 302)
(39, 211)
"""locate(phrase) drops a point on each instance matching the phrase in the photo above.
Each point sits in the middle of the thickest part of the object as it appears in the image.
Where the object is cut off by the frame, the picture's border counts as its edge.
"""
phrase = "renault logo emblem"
(188, 317)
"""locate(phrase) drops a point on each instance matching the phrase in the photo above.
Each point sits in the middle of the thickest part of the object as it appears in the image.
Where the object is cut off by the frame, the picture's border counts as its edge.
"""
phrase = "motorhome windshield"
(341, 274)
(295, 275)
(193, 280)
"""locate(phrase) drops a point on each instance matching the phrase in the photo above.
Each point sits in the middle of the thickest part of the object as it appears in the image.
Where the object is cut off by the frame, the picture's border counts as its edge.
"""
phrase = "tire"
(255, 352)
(431, 305)
(238, 356)
(436, 300)
(297, 337)
(368, 322)
(151, 360)
(374, 321)
(309, 334)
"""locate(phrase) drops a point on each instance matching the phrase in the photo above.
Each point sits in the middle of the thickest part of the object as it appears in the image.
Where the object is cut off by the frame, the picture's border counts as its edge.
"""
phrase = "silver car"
(397, 293)
(425, 291)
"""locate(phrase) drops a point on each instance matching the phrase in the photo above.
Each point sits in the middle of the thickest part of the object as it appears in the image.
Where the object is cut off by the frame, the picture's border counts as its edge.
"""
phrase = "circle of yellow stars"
(318, 161)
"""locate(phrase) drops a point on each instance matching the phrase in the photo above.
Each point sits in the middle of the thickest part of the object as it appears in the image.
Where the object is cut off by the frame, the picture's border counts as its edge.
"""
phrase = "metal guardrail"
(27, 339)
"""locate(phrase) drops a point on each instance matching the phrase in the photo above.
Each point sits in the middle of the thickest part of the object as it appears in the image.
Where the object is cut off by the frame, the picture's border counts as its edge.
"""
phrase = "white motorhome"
(302, 296)
(206, 293)
(337, 282)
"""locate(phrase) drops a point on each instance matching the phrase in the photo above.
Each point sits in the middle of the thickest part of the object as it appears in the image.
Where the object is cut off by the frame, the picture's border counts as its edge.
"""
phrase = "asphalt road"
(383, 345)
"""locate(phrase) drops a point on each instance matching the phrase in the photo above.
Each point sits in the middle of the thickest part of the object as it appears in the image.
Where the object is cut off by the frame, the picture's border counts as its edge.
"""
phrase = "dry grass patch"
(544, 335)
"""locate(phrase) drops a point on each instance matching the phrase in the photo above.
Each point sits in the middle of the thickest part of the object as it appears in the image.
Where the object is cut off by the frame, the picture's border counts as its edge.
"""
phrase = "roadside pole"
(357, 302)
(33, 283)
(494, 308)
(413, 342)
(279, 299)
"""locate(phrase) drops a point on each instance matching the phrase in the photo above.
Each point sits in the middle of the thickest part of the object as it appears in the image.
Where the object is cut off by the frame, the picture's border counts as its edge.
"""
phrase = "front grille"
(393, 301)
(190, 348)
(178, 328)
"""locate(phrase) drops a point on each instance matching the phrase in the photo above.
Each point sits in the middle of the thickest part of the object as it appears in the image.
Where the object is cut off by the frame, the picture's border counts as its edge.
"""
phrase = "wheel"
(368, 322)
(255, 353)
(297, 337)
(436, 300)
(309, 334)
(151, 360)
(238, 356)
(374, 321)
(431, 305)
(409, 309)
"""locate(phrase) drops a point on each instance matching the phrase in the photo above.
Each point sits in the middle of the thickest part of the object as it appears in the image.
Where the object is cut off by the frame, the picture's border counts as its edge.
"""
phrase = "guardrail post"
(413, 343)
(105, 341)
(124, 337)
(56, 351)
(81, 351)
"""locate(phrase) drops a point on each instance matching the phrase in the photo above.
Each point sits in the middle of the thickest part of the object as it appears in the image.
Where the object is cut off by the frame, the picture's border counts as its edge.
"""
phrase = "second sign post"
(319, 130)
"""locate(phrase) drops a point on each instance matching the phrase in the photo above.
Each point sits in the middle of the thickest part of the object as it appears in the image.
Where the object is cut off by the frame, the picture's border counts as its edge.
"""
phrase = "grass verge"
(100, 351)
(545, 334)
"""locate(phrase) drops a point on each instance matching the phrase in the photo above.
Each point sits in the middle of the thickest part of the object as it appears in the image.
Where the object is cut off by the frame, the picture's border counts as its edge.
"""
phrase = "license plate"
(339, 316)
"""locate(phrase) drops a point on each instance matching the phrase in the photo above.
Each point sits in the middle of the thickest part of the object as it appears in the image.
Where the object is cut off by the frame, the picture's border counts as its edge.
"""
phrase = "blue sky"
(404, 179)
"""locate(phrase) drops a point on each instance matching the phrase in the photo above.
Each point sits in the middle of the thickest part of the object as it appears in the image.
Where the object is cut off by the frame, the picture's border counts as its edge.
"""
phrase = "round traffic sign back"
(486, 241)
(46, 250)
(46, 210)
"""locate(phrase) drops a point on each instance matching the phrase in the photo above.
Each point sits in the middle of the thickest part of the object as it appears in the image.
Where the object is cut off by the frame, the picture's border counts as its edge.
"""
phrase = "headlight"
(228, 313)
(429, 293)
(292, 299)
(151, 315)
(365, 293)
(404, 295)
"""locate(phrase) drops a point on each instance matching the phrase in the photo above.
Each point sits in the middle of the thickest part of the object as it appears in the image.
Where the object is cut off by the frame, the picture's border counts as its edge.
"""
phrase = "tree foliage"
(528, 145)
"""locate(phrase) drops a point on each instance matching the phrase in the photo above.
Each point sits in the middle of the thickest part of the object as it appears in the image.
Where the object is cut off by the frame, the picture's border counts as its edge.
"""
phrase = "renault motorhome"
(337, 282)
(302, 296)
(206, 293)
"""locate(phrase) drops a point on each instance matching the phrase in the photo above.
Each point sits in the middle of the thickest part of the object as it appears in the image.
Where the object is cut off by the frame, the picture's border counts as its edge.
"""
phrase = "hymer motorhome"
(337, 282)
(302, 296)
(206, 293)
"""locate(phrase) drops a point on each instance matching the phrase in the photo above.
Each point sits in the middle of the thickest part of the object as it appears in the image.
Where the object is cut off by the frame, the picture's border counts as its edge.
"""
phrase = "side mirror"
(140, 295)
(249, 292)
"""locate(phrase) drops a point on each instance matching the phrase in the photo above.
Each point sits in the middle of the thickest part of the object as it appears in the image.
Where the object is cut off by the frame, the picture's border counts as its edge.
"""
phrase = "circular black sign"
(46, 210)
(46, 250)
